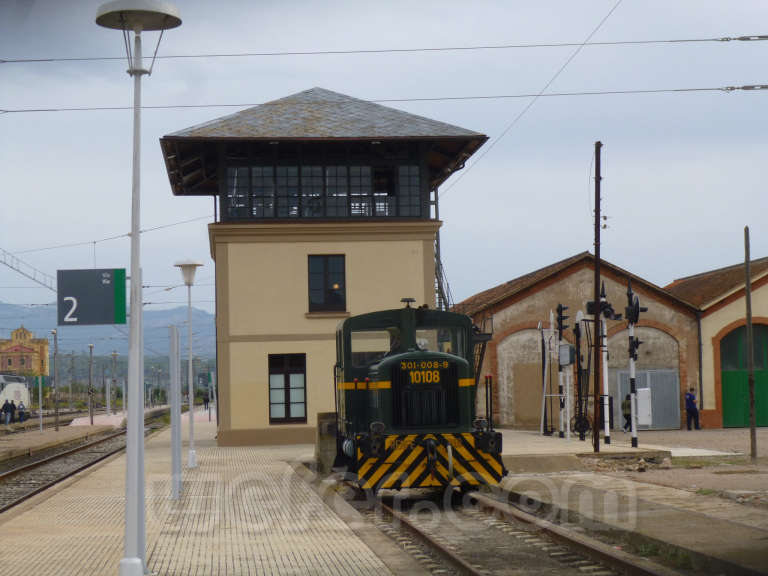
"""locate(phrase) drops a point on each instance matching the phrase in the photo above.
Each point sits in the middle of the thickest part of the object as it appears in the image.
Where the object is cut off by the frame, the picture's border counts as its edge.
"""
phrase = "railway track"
(23, 482)
(478, 535)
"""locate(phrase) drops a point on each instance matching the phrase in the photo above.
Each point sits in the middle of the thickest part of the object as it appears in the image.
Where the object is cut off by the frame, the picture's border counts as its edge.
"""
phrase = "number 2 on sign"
(68, 316)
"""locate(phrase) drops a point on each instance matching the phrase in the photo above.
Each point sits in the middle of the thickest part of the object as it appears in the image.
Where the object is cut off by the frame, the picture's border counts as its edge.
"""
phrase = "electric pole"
(114, 382)
(71, 377)
(55, 379)
(596, 406)
(90, 384)
(750, 351)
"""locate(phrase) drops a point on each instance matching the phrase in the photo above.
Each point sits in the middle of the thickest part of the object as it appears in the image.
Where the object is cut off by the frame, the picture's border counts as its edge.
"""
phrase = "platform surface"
(243, 511)
(528, 442)
(23, 443)
(705, 529)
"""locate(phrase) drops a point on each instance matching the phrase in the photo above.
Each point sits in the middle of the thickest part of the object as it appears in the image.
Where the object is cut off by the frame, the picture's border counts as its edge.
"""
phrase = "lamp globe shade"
(143, 14)
(188, 268)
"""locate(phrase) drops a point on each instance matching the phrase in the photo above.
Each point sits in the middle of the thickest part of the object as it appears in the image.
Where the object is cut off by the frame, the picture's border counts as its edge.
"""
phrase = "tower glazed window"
(312, 190)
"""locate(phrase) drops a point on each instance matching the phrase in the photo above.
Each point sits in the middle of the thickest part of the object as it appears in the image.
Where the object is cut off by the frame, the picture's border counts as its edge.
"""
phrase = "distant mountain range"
(40, 320)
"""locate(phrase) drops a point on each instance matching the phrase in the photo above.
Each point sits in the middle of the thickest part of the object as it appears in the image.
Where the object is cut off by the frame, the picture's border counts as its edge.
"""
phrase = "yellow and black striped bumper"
(407, 461)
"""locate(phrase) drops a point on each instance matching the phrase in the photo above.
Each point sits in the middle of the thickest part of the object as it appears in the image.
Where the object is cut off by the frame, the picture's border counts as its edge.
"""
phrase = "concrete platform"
(255, 510)
(704, 533)
(528, 442)
(244, 510)
(529, 451)
(25, 443)
(33, 422)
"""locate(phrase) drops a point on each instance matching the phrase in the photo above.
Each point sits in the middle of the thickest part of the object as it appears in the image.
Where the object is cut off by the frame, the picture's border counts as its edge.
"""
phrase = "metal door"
(665, 396)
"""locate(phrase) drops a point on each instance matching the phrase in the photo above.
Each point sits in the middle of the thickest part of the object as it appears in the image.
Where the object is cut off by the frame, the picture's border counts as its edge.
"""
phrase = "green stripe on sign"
(118, 281)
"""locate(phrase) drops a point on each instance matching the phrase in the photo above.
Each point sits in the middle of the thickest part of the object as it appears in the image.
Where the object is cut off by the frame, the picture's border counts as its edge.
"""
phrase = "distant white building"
(13, 388)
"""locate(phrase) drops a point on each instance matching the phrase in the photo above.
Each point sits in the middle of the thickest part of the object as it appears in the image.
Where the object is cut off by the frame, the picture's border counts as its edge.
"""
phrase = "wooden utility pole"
(750, 351)
(596, 342)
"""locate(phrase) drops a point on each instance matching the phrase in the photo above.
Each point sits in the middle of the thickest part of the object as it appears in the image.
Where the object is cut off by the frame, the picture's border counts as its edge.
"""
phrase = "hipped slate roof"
(321, 114)
(707, 287)
(316, 115)
(488, 298)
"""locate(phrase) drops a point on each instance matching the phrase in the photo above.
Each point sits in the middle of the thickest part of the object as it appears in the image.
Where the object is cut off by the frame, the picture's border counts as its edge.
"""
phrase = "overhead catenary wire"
(746, 87)
(107, 239)
(530, 104)
(363, 51)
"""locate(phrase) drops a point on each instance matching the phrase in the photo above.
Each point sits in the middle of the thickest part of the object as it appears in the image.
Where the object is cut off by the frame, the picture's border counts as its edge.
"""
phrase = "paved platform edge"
(394, 557)
(699, 559)
(41, 497)
(89, 432)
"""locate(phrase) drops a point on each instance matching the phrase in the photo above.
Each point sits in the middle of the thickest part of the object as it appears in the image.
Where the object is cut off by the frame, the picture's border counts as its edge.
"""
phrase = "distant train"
(405, 402)
(14, 388)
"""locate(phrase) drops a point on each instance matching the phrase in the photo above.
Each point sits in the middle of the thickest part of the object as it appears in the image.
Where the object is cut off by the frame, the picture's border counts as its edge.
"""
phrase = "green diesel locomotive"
(405, 402)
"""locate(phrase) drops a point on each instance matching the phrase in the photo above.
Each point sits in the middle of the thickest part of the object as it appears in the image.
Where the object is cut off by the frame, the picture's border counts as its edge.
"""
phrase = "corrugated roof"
(488, 298)
(706, 287)
(320, 113)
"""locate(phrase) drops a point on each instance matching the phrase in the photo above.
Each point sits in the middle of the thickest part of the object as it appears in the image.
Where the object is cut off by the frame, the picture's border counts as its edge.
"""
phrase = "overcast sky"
(683, 172)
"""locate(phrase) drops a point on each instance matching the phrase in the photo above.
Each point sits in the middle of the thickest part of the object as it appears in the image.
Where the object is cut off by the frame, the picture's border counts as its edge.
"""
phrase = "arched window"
(733, 348)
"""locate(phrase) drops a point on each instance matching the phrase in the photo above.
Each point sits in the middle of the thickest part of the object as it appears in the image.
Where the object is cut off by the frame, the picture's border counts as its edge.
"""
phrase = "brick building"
(720, 296)
(24, 354)
(668, 360)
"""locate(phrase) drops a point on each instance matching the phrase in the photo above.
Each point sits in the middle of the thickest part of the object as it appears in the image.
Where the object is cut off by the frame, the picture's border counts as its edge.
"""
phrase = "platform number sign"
(88, 297)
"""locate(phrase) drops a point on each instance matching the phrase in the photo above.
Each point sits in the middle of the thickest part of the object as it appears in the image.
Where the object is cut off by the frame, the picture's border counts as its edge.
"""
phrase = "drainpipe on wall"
(701, 359)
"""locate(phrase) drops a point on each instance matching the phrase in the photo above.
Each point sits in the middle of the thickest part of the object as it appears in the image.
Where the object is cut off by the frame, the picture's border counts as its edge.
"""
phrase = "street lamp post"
(136, 16)
(188, 268)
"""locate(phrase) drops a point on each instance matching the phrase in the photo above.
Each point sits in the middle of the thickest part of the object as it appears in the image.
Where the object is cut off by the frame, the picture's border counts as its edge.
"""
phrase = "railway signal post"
(561, 318)
(604, 311)
(632, 314)
(604, 358)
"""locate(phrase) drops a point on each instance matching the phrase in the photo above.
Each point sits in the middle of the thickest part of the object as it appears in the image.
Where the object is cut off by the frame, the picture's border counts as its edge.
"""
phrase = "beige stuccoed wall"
(263, 307)
(268, 282)
(712, 323)
(249, 376)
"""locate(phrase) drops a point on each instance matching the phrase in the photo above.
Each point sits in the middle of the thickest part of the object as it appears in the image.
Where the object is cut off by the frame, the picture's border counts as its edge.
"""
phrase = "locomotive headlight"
(377, 428)
(480, 424)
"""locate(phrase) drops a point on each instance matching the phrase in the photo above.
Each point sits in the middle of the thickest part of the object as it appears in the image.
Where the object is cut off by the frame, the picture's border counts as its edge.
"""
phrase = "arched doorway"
(733, 370)
(657, 371)
(519, 379)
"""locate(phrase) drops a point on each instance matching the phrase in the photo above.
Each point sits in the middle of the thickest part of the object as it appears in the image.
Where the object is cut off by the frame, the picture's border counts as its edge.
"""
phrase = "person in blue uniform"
(691, 411)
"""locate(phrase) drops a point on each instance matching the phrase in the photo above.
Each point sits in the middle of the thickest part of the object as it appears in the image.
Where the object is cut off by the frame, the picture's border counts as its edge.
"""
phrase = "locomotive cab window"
(370, 346)
(449, 340)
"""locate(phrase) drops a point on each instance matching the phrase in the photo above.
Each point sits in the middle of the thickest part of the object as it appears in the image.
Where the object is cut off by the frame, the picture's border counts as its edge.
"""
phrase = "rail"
(8, 475)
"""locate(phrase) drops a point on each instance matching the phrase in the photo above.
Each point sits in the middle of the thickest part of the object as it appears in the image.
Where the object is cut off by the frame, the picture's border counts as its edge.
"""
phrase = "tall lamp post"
(136, 16)
(188, 268)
